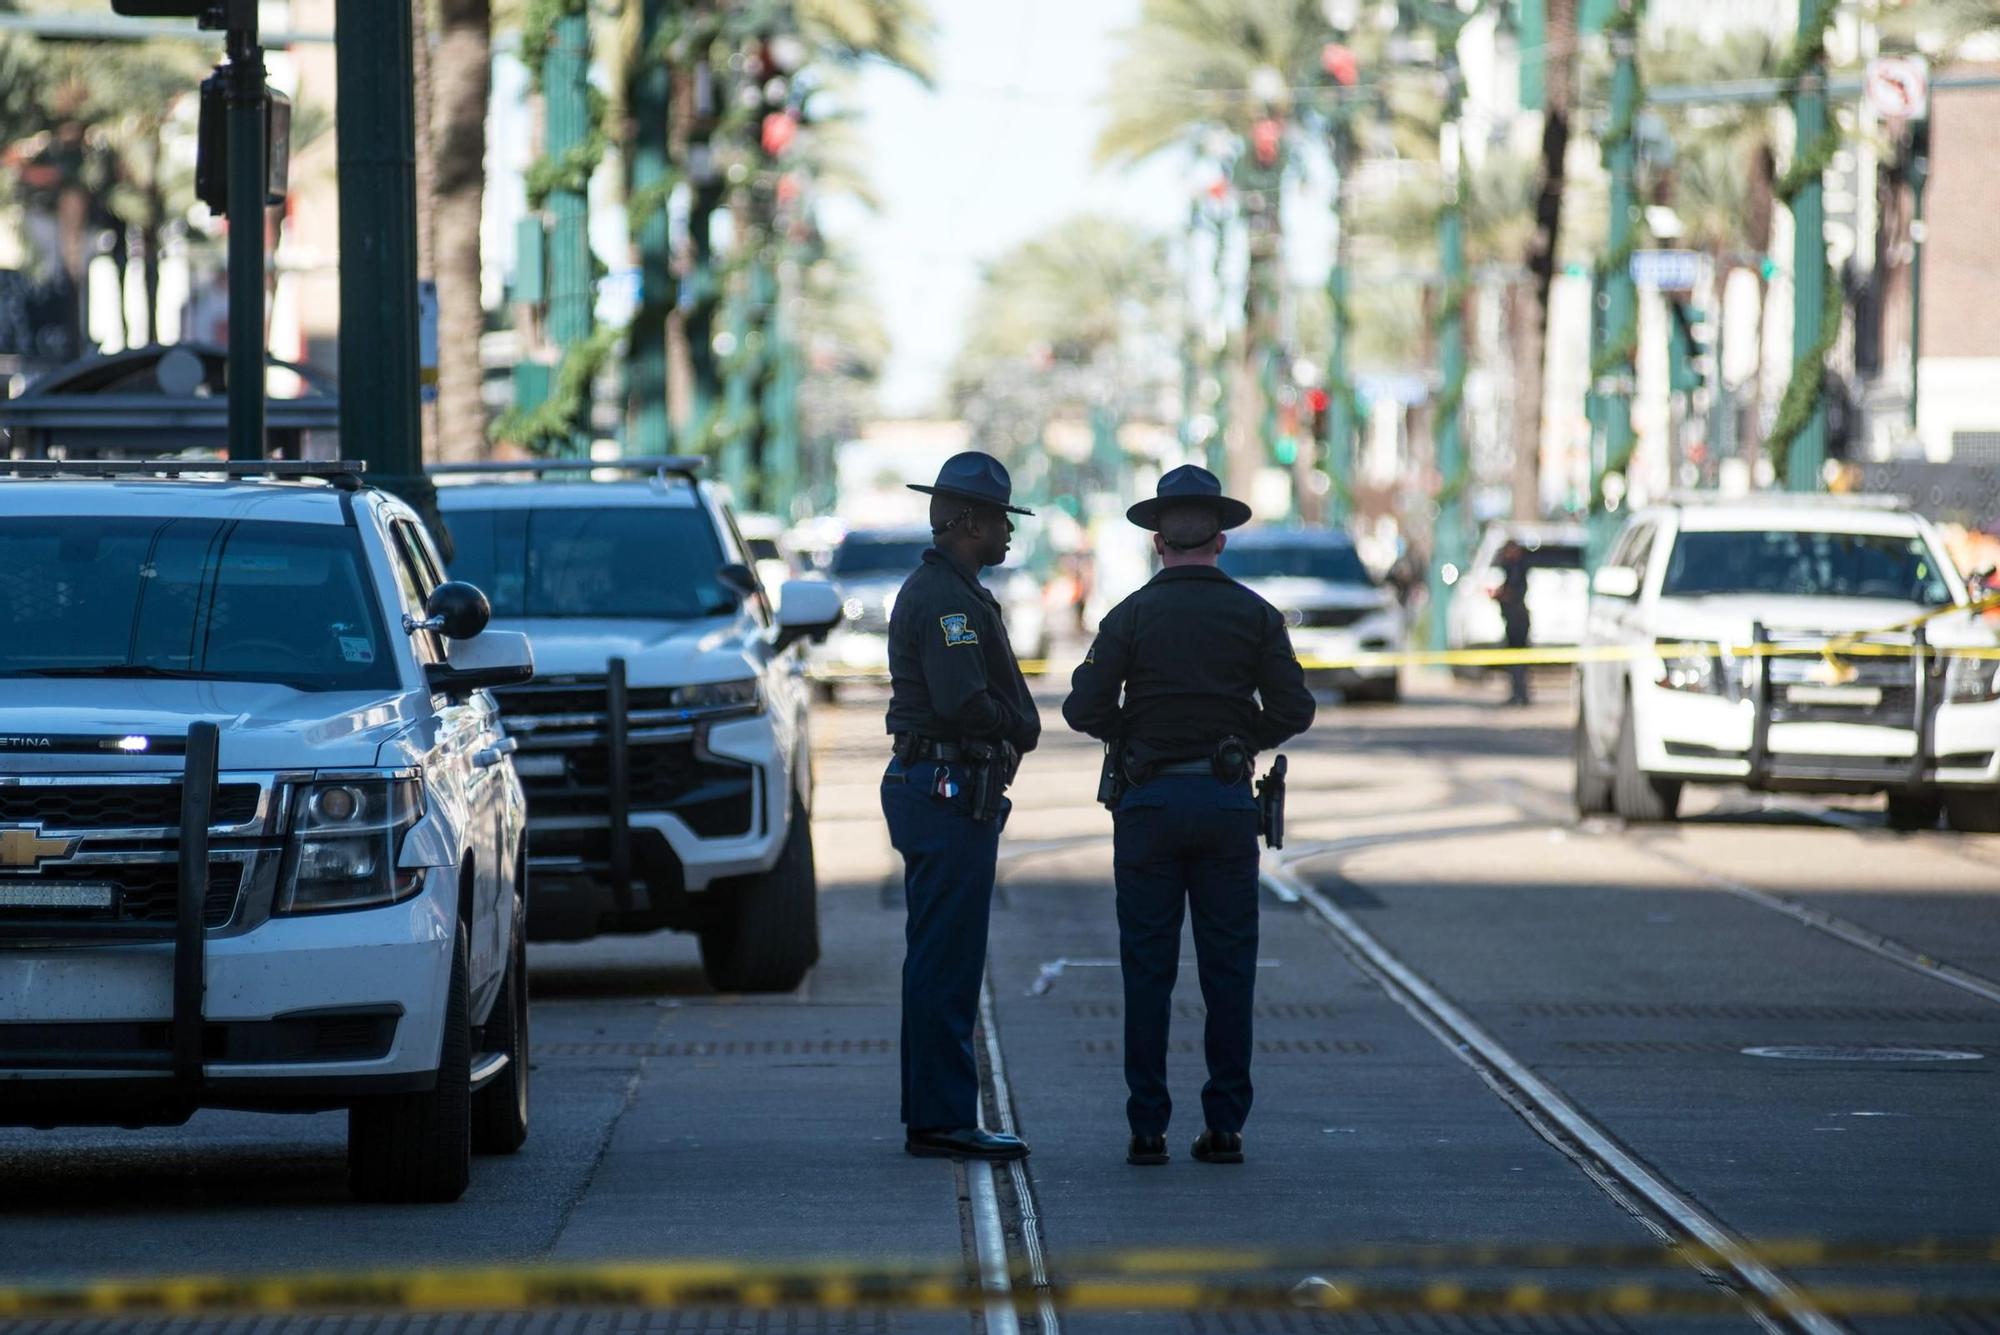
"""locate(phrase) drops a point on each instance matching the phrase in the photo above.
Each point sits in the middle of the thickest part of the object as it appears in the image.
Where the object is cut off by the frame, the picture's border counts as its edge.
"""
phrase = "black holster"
(991, 767)
(1111, 782)
(1271, 805)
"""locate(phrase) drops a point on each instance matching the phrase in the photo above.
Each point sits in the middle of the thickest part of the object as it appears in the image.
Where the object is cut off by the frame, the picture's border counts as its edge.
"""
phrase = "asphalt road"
(1664, 986)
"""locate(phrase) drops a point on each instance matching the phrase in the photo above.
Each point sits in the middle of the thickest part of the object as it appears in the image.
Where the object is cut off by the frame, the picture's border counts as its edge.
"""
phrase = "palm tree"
(1191, 69)
(1060, 327)
(459, 92)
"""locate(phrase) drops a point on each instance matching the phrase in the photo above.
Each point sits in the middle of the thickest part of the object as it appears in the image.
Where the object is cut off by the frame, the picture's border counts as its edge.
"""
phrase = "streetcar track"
(1858, 935)
(1636, 1187)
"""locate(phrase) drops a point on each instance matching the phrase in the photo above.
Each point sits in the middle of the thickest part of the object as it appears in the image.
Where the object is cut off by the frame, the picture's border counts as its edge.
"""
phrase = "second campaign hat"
(1190, 485)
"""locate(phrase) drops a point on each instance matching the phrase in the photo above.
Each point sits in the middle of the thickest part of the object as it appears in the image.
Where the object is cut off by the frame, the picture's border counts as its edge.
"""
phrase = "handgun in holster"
(1271, 805)
(1111, 782)
(993, 765)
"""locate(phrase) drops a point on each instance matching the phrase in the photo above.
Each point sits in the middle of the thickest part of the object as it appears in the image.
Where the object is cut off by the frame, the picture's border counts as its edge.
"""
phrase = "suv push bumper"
(1706, 738)
(127, 1027)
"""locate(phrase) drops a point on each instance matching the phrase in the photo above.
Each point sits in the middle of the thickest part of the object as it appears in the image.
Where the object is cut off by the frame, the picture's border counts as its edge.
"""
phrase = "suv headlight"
(1970, 680)
(346, 837)
(745, 694)
(1684, 671)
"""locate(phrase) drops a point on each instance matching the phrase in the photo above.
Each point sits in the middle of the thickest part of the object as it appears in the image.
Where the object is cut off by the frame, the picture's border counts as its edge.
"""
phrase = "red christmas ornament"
(1317, 400)
(1340, 63)
(780, 129)
(1264, 136)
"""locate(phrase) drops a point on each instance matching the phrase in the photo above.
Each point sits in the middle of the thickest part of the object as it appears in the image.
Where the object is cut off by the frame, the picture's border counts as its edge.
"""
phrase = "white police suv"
(1333, 607)
(1788, 644)
(664, 742)
(260, 843)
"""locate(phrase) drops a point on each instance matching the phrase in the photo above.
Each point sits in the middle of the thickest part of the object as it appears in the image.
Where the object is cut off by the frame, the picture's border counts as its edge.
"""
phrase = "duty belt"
(910, 746)
(1186, 767)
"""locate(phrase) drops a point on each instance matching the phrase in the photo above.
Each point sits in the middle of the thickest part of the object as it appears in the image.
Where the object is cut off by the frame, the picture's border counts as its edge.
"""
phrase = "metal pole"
(246, 194)
(1806, 459)
(378, 248)
(1340, 461)
(1448, 536)
(566, 94)
(1612, 361)
(1920, 173)
(651, 431)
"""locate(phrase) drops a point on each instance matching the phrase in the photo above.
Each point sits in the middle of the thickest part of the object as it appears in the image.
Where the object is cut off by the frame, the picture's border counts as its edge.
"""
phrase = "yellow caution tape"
(1335, 1280)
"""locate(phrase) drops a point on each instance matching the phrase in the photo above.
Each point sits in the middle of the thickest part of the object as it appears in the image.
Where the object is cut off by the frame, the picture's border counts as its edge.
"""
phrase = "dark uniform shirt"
(952, 674)
(1200, 658)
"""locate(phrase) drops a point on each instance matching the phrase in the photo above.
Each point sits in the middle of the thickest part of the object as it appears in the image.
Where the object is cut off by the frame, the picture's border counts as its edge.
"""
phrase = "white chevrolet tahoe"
(1334, 608)
(1800, 644)
(664, 744)
(260, 844)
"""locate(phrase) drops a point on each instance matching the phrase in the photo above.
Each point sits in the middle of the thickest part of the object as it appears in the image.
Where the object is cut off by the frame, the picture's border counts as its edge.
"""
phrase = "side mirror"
(455, 609)
(497, 658)
(807, 609)
(1615, 582)
(739, 579)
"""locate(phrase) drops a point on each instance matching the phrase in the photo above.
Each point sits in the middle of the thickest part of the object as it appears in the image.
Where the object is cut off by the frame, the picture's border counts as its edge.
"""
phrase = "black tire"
(826, 692)
(500, 1109)
(1385, 691)
(1974, 812)
(1636, 795)
(1914, 811)
(764, 936)
(409, 1148)
(1590, 789)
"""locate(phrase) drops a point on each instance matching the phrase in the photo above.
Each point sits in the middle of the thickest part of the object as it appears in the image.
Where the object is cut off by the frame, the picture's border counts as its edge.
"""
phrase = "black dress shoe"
(1147, 1151)
(1219, 1147)
(965, 1143)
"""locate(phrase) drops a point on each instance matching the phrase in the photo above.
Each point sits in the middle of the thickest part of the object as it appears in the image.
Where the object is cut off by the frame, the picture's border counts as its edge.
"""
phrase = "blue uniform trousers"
(948, 869)
(1180, 840)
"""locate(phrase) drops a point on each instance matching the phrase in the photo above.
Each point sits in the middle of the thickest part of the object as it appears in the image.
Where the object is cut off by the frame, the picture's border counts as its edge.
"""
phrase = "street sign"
(1666, 270)
(1898, 87)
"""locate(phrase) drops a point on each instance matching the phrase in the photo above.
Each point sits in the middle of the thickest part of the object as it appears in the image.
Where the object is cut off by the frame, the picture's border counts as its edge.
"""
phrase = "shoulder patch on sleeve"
(958, 629)
(1090, 654)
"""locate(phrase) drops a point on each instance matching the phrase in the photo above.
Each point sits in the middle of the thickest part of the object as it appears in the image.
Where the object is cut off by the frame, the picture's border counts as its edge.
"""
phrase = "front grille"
(576, 695)
(715, 797)
(1327, 618)
(116, 806)
(1894, 678)
(143, 893)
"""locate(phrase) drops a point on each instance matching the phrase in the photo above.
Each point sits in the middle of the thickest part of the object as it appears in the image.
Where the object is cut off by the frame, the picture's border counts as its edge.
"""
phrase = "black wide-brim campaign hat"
(1190, 485)
(973, 476)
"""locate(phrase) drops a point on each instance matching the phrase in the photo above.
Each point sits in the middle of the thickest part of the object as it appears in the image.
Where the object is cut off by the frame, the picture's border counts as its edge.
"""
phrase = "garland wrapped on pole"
(1615, 329)
(1797, 441)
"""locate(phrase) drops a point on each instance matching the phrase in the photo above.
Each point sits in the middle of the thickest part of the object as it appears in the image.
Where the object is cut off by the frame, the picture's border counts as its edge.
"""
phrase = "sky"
(999, 150)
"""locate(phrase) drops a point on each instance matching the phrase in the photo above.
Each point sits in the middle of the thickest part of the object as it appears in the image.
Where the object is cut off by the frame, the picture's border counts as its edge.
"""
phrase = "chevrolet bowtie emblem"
(27, 848)
(1831, 671)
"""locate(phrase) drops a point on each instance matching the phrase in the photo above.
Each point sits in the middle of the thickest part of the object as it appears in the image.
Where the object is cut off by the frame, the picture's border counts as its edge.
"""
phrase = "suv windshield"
(649, 562)
(1803, 564)
(211, 599)
(1336, 564)
(862, 557)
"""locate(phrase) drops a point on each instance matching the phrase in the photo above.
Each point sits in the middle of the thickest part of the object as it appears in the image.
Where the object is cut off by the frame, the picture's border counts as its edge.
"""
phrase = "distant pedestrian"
(1187, 680)
(1512, 596)
(961, 716)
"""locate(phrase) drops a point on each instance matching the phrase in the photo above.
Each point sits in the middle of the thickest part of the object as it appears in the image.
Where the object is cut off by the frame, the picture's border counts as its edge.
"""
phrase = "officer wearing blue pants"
(1187, 679)
(961, 716)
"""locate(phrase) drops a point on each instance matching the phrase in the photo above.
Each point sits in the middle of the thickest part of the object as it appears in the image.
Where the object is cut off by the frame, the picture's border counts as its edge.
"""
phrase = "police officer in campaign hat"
(1207, 678)
(961, 716)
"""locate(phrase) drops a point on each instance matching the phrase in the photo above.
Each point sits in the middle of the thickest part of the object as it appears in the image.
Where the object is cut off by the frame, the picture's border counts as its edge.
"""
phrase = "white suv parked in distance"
(260, 844)
(1334, 608)
(1854, 689)
(665, 742)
